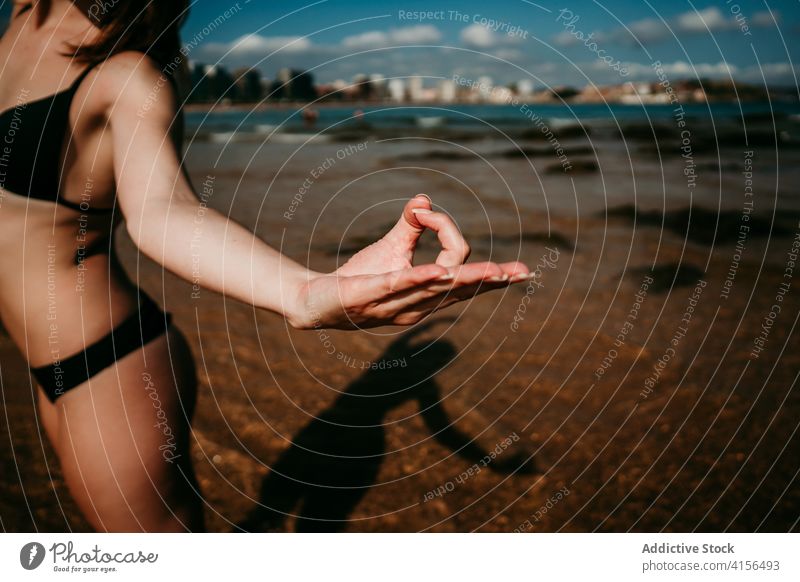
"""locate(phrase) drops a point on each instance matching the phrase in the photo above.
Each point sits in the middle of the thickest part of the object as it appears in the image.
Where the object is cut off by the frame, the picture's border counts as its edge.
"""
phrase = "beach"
(646, 380)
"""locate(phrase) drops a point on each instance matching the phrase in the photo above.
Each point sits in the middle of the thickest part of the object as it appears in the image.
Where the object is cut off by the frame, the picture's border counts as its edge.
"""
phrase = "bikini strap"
(76, 83)
(67, 106)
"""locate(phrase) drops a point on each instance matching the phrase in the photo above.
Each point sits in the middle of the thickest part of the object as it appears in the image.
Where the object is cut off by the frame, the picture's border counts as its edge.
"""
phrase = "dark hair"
(148, 26)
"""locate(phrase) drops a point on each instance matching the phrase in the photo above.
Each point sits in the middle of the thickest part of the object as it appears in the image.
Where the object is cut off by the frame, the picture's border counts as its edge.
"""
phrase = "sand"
(588, 403)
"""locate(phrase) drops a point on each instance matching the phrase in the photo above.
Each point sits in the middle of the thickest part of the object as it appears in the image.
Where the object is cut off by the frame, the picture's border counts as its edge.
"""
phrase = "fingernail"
(421, 211)
(446, 277)
(520, 277)
(426, 196)
(498, 279)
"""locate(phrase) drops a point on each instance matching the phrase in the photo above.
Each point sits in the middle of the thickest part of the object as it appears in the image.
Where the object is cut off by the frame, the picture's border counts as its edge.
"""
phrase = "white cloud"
(565, 39)
(478, 36)
(255, 44)
(366, 39)
(651, 30)
(773, 73)
(687, 23)
(683, 70)
(714, 70)
(764, 18)
(508, 54)
(421, 34)
(648, 30)
(698, 21)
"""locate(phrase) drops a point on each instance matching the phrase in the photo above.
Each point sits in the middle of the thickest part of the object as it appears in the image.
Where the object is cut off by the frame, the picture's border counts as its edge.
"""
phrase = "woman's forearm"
(208, 249)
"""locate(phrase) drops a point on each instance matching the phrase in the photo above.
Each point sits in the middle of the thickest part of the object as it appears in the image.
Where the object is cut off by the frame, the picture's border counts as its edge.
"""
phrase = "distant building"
(397, 90)
(211, 83)
(447, 91)
(525, 88)
(362, 88)
(500, 96)
(248, 85)
(293, 85)
(377, 86)
(485, 85)
(415, 89)
(303, 87)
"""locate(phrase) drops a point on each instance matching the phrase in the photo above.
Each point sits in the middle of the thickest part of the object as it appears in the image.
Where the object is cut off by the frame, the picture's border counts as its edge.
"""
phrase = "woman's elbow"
(144, 233)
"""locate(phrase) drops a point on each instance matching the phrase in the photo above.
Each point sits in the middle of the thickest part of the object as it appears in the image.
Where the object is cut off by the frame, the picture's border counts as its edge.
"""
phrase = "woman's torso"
(60, 287)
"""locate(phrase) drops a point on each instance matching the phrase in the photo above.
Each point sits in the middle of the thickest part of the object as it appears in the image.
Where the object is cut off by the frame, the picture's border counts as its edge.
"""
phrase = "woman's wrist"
(297, 306)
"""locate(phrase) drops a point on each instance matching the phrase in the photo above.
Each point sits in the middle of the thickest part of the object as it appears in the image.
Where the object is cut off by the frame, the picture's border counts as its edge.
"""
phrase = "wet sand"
(587, 403)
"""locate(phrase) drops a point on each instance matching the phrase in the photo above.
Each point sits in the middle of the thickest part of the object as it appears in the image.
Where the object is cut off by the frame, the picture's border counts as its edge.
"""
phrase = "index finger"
(455, 249)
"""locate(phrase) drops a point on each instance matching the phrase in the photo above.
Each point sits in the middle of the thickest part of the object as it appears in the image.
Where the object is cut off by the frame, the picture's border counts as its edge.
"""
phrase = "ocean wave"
(259, 137)
(429, 122)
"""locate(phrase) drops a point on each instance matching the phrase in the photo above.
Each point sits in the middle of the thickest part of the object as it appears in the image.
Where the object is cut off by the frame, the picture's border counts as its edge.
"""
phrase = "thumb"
(408, 229)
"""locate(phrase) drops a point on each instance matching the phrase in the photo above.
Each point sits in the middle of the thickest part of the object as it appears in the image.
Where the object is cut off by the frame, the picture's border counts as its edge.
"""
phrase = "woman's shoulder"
(131, 65)
(131, 78)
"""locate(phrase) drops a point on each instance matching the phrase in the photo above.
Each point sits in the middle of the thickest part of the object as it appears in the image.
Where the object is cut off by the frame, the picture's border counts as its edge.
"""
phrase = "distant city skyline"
(216, 85)
(586, 43)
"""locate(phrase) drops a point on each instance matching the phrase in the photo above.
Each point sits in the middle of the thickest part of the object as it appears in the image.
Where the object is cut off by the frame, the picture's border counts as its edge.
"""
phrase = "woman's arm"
(167, 222)
(164, 217)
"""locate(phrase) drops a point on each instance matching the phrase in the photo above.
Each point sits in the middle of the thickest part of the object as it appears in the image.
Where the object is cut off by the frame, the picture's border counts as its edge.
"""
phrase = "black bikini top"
(31, 141)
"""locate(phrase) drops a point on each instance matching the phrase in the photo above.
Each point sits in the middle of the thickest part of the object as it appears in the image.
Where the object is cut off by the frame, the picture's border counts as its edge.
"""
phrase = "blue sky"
(339, 38)
(750, 40)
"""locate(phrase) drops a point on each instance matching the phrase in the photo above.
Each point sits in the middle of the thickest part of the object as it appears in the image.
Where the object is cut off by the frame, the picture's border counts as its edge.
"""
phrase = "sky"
(545, 42)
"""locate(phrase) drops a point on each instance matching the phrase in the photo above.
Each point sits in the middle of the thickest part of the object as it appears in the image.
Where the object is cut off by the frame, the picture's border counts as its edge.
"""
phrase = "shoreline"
(277, 105)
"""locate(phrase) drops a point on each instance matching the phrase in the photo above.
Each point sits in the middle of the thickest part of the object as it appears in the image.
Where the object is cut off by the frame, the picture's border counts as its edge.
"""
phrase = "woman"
(85, 127)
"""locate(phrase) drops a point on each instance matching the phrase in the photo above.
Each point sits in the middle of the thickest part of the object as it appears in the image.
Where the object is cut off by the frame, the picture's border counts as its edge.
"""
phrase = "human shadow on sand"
(333, 461)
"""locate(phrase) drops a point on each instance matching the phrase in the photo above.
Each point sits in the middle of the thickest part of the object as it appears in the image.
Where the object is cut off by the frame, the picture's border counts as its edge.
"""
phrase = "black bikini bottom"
(141, 327)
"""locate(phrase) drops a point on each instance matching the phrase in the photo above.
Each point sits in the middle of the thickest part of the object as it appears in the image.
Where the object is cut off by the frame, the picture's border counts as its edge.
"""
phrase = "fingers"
(516, 271)
(417, 216)
(470, 273)
(404, 296)
(489, 272)
(400, 281)
(425, 282)
(455, 249)
(431, 279)
(496, 277)
(408, 229)
(378, 287)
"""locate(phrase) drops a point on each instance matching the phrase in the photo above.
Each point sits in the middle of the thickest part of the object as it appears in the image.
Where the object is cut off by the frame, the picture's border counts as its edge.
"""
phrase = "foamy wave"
(300, 138)
(262, 137)
(428, 122)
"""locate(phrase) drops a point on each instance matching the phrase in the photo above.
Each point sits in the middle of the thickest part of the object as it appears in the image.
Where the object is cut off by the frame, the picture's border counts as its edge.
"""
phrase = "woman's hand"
(380, 286)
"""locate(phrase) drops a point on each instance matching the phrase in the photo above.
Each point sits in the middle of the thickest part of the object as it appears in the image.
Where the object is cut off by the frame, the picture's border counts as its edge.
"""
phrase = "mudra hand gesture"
(380, 285)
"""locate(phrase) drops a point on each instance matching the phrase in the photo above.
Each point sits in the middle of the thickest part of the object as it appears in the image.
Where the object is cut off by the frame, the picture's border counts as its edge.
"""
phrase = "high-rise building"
(294, 85)
(485, 85)
(362, 87)
(415, 89)
(377, 86)
(248, 85)
(397, 90)
(525, 88)
(447, 91)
